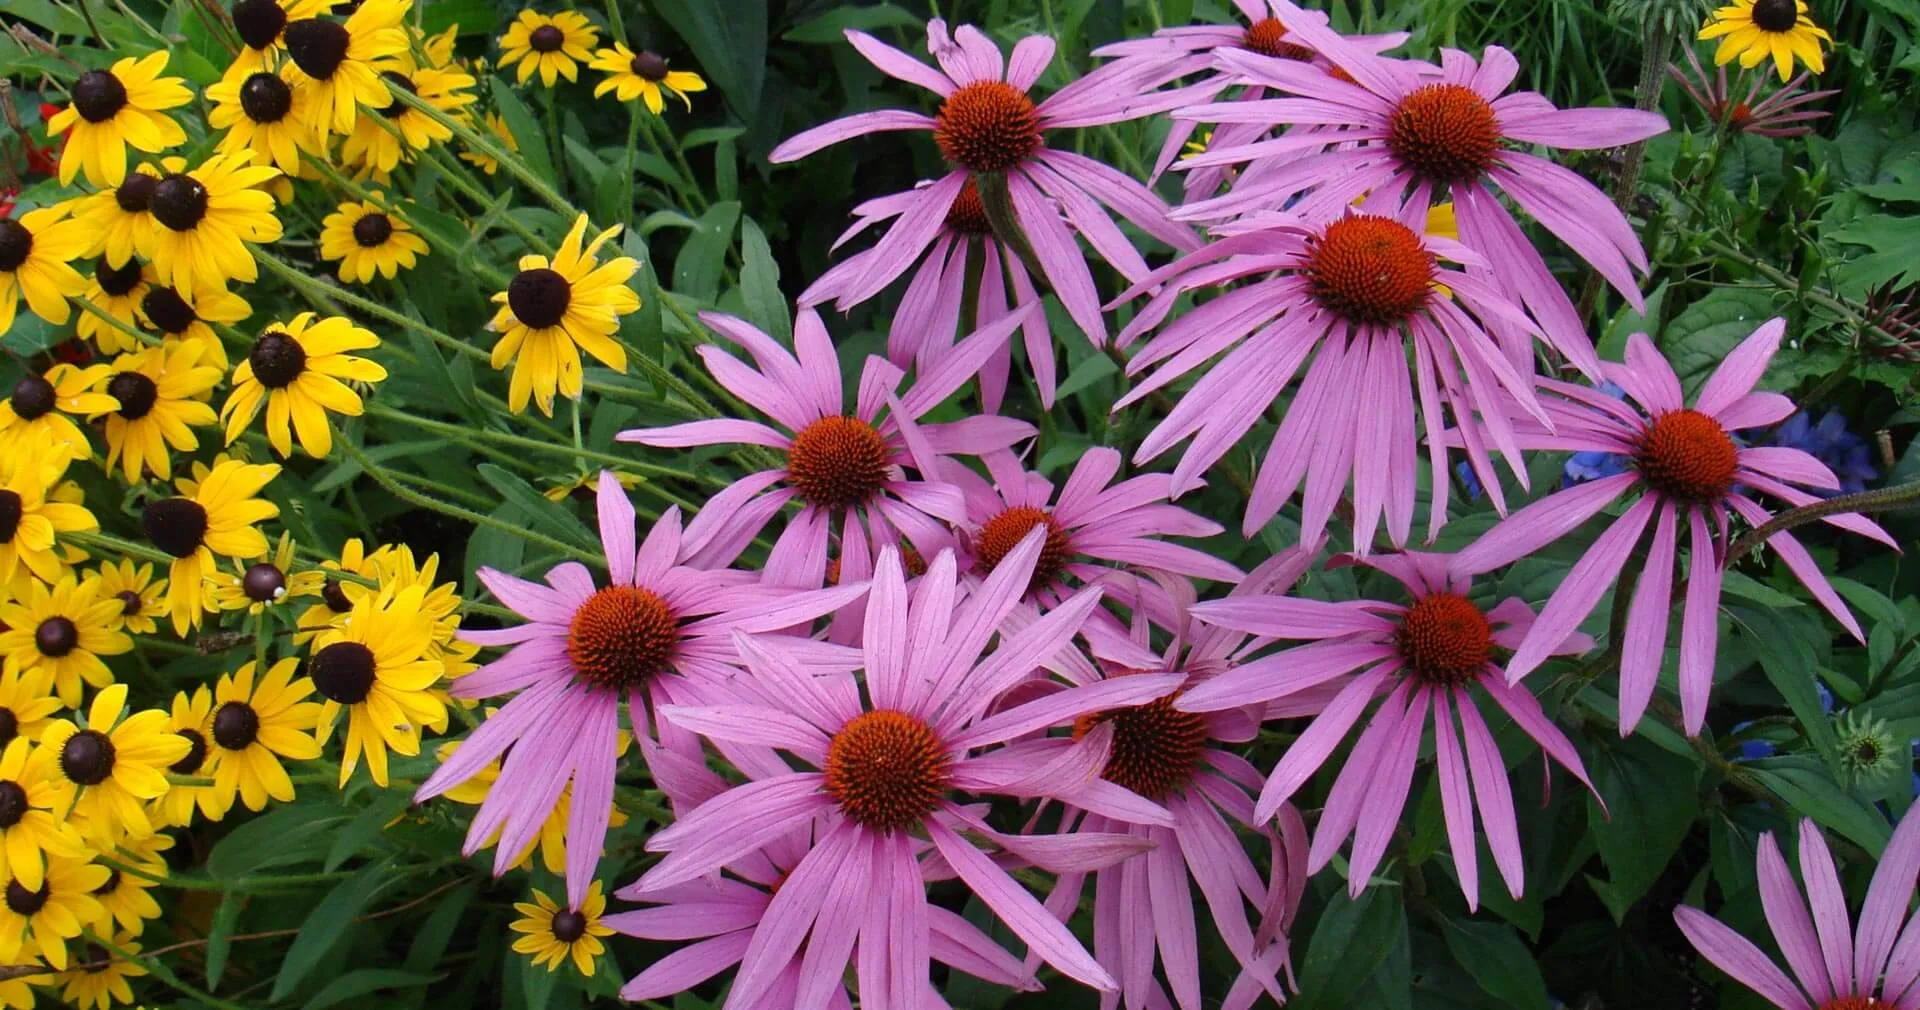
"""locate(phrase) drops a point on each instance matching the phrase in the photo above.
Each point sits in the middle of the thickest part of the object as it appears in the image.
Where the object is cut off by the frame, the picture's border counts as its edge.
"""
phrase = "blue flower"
(1829, 441)
(1593, 465)
(1468, 479)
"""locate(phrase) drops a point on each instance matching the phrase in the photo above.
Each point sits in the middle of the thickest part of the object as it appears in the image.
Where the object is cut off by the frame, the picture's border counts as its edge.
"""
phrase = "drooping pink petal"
(1787, 917)
(1022, 914)
(1739, 958)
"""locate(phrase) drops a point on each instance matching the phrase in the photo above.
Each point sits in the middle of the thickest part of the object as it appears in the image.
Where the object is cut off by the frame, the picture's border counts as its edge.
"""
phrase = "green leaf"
(831, 27)
(1746, 588)
(1498, 960)
(1612, 345)
(522, 124)
(729, 37)
(536, 982)
(220, 936)
(290, 834)
(552, 517)
(709, 135)
(702, 258)
(364, 828)
(1702, 334)
(46, 15)
(1810, 788)
(475, 17)
(1789, 662)
(1351, 939)
(1089, 371)
(1650, 803)
(431, 938)
(760, 284)
(366, 980)
(325, 926)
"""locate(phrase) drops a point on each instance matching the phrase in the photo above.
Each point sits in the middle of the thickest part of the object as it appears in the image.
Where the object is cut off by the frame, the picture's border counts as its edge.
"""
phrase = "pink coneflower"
(1428, 654)
(888, 765)
(1688, 470)
(1780, 114)
(849, 467)
(1409, 135)
(656, 629)
(1092, 524)
(925, 324)
(1352, 293)
(988, 124)
(1835, 966)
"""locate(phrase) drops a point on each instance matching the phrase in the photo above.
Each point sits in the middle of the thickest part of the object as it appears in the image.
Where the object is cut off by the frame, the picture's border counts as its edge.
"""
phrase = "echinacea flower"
(376, 147)
(116, 108)
(839, 466)
(376, 664)
(35, 250)
(109, 767)
(101, 981)
(652, 636)
(552, 45)
(1780, 114)
(59, 632)
(552, 935)
(1836, 964)
(202, 220)
(32, 826)
(368, 240)
(217, 512)
(1688, 471)
(254, 725)
(264, 115)
(1409, 137)
(643, 75)
(338, 63)
(159, 393)
(555, 308)
(988, 124)
(1425, 655)
(117, 291)
(1755, 31)
(42, 919)
(1356, 292)
(190, 719)
(889, 759)
(298, 371)
(552, 839)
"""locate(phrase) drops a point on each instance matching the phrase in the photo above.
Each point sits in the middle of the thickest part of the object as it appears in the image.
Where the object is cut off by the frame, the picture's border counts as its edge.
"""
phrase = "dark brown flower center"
(987, 126)
(372, 230)
(11, 512)
(179, 202)
(1445, 639)
(164, 308)
(649, 66)
(112, 885)
(87, 758)
(1003, 533)
(16, 244)
(9, 726)
(569, 925)
(1685, 454)
(98, 96)
(318, 47)
(136, 393)
(116, 280)
(343, 671)
(259, 22)
(1370, 270)
(1768, 16)
(33, 397)
(335, 597)
(887, 770)
(130, 602)
(837, 462)
(968, 215)
(277, 359)
(13, 804)
(399, 82)
(196, 753)
(546, 39)
(539, 297)
(27, 903)
(135, 193)
(265, 98)
(621, 637)
(1444, 133)
(1156, 748)
(263, 583)
(56, 637)
(175, 525)
(1268, 37)
(236, 725)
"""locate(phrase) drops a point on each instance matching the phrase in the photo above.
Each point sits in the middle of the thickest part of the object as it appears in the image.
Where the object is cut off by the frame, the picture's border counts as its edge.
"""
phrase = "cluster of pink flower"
(1112, 697)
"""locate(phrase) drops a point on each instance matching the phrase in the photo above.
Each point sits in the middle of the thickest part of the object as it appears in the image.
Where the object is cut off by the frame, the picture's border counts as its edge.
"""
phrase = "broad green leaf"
(474, 17)
(431, 938)
(702, 258)
(760, 284)
(831, 27)
(326, 925)
(1497, 959)
(729, 39)
(522, 124)
(549, 517)
(1702, 334)
(1351, 939)
(1790, 664)
(220, 936)
(279, 837)
(364, 981)
(365, 828)
(1809, 787)
(1650, 803)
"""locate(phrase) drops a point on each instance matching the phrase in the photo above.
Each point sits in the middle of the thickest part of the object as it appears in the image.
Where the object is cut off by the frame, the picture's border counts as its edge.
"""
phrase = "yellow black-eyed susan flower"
(262, 27)
(338, 62)
(116, 291)
(42, 919)
(335, 600)
(548, 44)
(554, 934)
(41, 404)
(113, 109)
(437, 48)
(299, 371)
(141, 596)
(263, 114)
(1754, 31)
(552, 310)
(32, 825)
(159, 391)
(36, 250)
(26, 705)
(202, 221)
(265, 582)
(643, 75)
(122, 214)
(368, 240)
(373, 147)
(191, 719)
(32, 517)
(60, 633)
(376, 665)
(217, 513)
(100, 981)
(124, 900)
(497, 128)
(170, 315)
(109, 767)
(257, 724)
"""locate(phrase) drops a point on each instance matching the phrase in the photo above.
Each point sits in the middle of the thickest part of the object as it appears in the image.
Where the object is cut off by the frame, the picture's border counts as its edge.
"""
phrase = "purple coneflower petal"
(1317, 742)
(1741, 369)
(1018, 909)
(1886, 905)
(846, 128)
(1493, 793)
(1390, 781)
(1829, 903)
(1456, 799)
(899, 65)
(1739, 958)
(1788, 919)
(1644, 644)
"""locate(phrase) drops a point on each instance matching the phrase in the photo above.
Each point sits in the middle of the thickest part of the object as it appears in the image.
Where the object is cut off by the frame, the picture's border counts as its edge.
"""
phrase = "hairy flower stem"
(513, 163)
(1888, 499)
(1656, 45)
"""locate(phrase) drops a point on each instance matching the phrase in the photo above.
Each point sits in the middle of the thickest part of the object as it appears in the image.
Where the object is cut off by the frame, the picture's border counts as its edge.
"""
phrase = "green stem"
(522, 442)
(633, 136)
(1879, 500)
(690, 187)
(515, 167)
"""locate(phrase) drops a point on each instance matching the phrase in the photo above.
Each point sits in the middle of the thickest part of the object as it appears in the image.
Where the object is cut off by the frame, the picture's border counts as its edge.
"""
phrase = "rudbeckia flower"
(254, 726)
(99, 988)
(1754, 31)
(550, 44)
(140, 595)
(117, 291)
(59, 633)
(110, 766)
(215, 513)
(257, 584)
(202, 221)
(122, 214)
(170, 315)
(554, 309)
(643, 75)
(33, 518)
(374, 149)
(40, 404)
(262, 27)
(190, 718)
(264, 115)
(116, 108)
(42, 919)
(496, 128)
(298, 371)
(159, 393)
(552, 934)
(367, 240)
(338, 63)
(376, 665)
(35, 250)
(32, 827)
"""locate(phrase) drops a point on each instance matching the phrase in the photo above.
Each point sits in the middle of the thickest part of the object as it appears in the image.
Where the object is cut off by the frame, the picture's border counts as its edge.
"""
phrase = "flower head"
(191, 719)
(101, 980)
(255, 725)
(379, 144)
(265, 116)
(1755, 31)
(42, 919)
(35, 512)
(552, 934)
(368, 239)
(35, 250)
(262, 27)
(165, 310)
(111, 765)
(113, 109)
(643, 75)
(552, 45)
(497, 129)
(32, 827)
(159, 391)
(141, 596)
(122, 214)
(338, 63)
(376, 664)
(216, 512)
(299, 372)
(1687, 472)
(117, 291)
(554, 309)
(59, 633)
(201, 221)
(1780, 114)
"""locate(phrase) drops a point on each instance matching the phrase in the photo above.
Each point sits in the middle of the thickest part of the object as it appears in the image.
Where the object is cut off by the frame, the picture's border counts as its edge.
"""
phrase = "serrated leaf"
(1701, 335)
